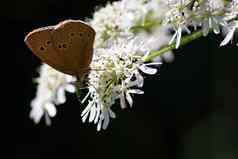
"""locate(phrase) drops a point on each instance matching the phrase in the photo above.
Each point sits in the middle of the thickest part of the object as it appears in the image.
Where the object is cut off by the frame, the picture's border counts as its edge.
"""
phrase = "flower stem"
(185, 40)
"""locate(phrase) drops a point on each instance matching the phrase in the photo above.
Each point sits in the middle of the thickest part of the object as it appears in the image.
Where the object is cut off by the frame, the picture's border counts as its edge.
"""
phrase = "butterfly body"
(67, 46)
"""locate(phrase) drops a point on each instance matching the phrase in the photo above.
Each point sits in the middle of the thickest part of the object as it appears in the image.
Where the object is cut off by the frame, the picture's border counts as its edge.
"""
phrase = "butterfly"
(67, 46)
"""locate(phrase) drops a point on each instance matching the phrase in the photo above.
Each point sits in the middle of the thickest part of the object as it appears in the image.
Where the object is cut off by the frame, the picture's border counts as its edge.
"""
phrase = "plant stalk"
(185, 40)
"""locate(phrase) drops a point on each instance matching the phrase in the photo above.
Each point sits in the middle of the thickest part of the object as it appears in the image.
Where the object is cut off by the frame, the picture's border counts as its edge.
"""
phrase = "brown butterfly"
(67, 46)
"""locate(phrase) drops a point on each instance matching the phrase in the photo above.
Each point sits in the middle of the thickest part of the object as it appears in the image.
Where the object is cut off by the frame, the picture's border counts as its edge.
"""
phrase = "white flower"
(126, 95)
(210, 23)
(50, 92)
(231, 18)
(177, 35)
(178, 17)
(231, 10)
(230, 31)
(119, 18)
(106, 23)
(115, 75)
(207, 15)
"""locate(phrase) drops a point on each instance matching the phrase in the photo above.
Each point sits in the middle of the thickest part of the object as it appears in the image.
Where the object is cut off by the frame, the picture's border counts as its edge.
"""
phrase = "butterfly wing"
(67, 47)
(73, 40)
(40, 43)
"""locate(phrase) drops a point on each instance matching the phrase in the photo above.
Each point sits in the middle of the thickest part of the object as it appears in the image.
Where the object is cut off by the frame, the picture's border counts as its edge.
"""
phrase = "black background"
(189, 109)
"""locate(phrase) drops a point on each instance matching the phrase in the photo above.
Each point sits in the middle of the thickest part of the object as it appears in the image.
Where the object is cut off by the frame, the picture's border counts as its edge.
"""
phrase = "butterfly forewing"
(73, 40)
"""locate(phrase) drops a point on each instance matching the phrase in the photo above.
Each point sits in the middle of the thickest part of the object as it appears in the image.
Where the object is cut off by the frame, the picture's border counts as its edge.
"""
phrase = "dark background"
(189, 109)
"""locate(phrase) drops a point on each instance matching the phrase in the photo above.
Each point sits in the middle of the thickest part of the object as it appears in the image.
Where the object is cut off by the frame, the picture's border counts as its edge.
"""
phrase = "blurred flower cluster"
(50, 92)
(127, 33)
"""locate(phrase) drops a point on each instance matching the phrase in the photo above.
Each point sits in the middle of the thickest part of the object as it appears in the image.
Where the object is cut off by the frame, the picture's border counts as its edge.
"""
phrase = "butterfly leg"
(81, 85)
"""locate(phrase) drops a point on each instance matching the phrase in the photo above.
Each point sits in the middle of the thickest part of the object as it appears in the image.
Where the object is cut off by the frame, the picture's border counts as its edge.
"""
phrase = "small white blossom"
(207, 14)
(136, 18)
(106, 23)
(50, 92)
(116, 75)
(230, 31)
(178, 17)
(231, 10)
(231, 18)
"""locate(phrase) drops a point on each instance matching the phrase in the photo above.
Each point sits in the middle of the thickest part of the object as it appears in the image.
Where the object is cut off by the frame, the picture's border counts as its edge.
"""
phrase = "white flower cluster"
(127, 31)
(116, 76)
(231, 18)
(140, 18)
(50, 92)
(207, 14)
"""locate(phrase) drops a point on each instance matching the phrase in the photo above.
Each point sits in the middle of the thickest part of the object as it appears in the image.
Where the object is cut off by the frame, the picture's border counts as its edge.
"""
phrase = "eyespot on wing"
(73, 44)
(39, 41)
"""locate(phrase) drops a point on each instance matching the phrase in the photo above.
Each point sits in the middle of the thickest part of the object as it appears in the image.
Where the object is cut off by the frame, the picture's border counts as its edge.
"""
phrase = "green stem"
(185, 40)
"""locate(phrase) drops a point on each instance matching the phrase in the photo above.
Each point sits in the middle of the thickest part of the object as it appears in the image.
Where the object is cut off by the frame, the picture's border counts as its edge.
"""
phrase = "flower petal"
(178, 40)
(209, 22)
(148, 70)
(122, 101)
(70, 88)
(99, 123)
(37, 111)
(173, 38)
(205, 28)
(215, 26)
(112, 114)
(60, 96)
(92, 114)
(187, 30)
(86, 97)
(136, 91)
(47, 119)
(85, 116)
(87, 108)
(50, 109)
(129, 99)
(154, 63)
(229, 37)
(106, 120)
(97, 114)
(139, 79)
